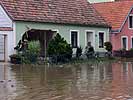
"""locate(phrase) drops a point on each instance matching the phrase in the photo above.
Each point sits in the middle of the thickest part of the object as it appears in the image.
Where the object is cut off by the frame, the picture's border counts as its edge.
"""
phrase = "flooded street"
(102, 81)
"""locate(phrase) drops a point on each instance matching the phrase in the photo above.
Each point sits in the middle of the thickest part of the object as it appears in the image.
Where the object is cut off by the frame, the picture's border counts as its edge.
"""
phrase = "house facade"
(119, 15)
(78, 22)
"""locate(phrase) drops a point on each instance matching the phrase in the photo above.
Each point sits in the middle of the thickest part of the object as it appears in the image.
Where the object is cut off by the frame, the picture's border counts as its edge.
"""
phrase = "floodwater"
(102, 81)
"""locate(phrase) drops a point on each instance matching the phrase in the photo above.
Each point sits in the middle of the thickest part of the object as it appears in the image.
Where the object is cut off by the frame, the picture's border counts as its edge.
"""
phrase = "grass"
(94, 60)
(89, 61)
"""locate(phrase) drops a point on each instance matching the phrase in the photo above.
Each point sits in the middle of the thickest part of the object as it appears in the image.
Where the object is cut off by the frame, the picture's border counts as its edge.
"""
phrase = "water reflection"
(102, 81)
(7, 83)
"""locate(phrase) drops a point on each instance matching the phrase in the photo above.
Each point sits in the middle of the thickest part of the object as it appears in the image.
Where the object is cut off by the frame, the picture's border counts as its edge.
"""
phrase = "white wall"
(5, 21)
(1, 47)
(10, 42)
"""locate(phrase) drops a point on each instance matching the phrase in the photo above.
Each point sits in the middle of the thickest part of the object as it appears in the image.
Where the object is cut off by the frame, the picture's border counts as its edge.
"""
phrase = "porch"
(43, 36)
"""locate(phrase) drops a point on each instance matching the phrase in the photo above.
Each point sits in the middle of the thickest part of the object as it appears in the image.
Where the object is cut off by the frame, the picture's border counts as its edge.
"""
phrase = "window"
(124, 43)
(131, 21)
(132, 42)
(101, 40)
(74, 39)
(89, 37)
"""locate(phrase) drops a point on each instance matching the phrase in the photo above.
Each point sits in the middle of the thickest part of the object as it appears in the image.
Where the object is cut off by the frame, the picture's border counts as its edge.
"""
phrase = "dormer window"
(131, 21)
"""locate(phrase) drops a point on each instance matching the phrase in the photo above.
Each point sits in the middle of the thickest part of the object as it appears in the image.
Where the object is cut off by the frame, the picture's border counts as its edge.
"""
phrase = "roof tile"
(54, 11)
(114, 12)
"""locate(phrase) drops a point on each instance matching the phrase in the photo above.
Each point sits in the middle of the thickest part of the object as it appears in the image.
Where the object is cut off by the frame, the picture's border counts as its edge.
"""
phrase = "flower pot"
(15, 60)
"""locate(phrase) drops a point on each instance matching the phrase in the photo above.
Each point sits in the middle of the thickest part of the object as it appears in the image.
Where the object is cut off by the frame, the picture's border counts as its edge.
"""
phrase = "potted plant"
(15, 58)
(108, 47)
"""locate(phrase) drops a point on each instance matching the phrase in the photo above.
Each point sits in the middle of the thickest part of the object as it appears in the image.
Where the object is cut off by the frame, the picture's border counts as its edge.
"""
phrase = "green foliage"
(78, 52)
(108, 46)
(131, 49)
(59, 49)
(32, 52)
(122, 50)
(34, 47)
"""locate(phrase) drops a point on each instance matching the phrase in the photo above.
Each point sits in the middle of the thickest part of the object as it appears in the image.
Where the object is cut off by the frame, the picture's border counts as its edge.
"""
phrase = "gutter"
(115, 31)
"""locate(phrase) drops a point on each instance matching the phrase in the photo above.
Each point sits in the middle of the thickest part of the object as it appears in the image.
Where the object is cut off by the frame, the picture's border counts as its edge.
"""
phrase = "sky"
(92, 1)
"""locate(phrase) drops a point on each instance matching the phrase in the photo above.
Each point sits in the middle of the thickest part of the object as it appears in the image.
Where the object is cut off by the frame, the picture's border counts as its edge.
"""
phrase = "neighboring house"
(76, 20)
(119, 15)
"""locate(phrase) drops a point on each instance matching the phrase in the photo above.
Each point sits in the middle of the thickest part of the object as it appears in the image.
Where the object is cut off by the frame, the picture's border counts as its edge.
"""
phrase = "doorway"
(43, 36)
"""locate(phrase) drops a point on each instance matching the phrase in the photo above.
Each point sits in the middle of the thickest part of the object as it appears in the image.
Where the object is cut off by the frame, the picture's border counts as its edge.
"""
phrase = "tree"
(59, 49)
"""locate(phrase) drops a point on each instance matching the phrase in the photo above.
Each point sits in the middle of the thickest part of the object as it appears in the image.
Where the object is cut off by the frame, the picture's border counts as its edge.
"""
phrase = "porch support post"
(45, 45)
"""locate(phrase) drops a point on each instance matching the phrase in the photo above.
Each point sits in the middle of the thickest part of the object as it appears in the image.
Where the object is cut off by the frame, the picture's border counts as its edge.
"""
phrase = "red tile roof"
(6, 29)
(114, 13)
(54, 11)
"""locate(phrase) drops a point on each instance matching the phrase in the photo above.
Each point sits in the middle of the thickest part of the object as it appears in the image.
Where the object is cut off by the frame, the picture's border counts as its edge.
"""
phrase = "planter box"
(15, 60)
(120, 53)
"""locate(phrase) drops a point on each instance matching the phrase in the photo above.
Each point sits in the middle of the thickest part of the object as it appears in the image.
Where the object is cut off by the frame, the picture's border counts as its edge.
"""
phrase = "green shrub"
(34, 47)
(131, 49)
(59, 49)
(108, 46)
(31, 54)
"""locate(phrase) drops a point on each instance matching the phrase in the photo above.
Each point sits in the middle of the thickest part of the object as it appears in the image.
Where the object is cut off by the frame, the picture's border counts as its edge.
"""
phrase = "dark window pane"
(101, 40)
(130, 21)
(124, 40)
(132, 42)
(74, 40)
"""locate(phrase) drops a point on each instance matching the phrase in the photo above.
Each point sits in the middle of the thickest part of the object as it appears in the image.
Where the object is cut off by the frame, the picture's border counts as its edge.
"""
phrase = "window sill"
(130, 28)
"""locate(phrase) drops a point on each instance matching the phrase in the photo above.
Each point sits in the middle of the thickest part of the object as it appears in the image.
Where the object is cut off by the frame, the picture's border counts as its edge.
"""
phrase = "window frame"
(93, 32)
(129, 21)
(122, 42)
(103, 39)
(131, 42)
(77, 37)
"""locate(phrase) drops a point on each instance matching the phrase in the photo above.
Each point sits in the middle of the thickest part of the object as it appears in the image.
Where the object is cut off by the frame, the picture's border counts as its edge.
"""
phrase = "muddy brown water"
(102, 81)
